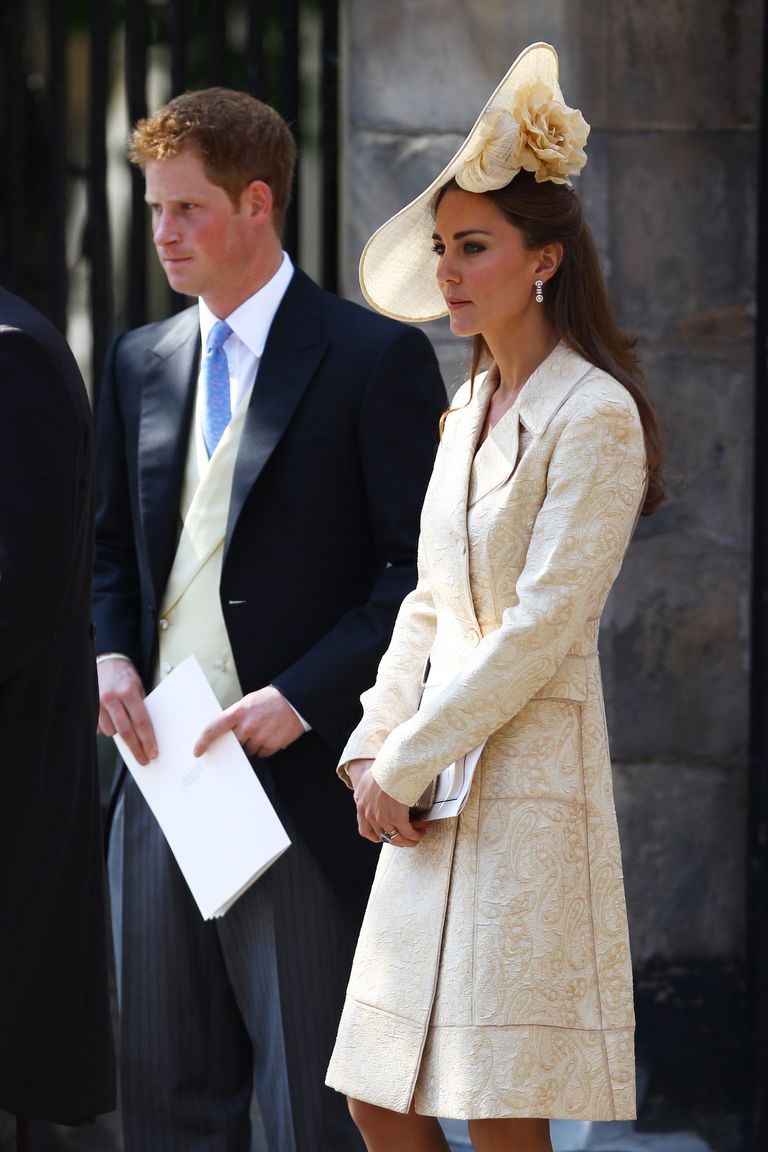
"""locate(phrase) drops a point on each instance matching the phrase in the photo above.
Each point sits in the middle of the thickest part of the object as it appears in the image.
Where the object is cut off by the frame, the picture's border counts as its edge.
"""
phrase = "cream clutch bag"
(447, 794)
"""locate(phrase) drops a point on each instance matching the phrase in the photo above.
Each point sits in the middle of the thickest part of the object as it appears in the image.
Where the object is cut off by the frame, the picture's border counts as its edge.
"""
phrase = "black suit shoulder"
(360, 325)
(362, 345)
(155, 334)
(363, 319)
(20, 318)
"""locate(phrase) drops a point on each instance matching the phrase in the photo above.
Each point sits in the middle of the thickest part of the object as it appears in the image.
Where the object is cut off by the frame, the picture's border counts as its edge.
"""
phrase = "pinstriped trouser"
(211, 1011)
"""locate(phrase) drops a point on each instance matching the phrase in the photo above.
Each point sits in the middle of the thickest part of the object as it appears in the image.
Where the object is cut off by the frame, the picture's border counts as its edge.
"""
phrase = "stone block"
(674, 653)
(593, 188)
(682, 831)
(678, 66)
(422, 65)
(705, 405)
(682, 66)
(384, 172)
(682, 231)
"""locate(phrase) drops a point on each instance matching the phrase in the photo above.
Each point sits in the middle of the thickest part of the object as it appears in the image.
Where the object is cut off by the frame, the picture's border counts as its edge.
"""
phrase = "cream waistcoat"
(191, 620)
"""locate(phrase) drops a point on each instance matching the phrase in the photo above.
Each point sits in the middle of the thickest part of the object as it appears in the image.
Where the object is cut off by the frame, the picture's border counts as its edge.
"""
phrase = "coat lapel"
(544, 393)
(495, 460)
(294, 349)
(167, 402)
(451, 483)
(461, 436)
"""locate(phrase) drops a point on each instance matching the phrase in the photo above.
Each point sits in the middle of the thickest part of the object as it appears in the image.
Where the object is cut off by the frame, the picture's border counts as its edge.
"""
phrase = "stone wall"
(672, 94)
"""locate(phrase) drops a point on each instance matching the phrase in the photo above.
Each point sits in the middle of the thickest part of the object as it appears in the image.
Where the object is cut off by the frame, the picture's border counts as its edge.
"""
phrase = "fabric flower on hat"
(541, 135)
(495, 157)
(554, 134)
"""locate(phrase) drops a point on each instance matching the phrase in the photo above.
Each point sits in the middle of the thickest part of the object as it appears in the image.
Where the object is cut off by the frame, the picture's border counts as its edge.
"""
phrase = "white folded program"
(447, 794)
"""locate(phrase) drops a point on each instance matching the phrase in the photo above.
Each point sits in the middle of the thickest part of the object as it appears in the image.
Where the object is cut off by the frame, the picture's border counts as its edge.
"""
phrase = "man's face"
(205, 243)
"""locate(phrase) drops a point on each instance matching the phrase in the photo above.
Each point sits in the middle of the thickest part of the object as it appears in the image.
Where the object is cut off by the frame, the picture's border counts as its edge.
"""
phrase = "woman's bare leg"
(507, 1135)
(384, 1130)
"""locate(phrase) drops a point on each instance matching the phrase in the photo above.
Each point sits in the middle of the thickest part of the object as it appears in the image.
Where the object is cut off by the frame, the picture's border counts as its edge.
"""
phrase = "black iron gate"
(73, 69)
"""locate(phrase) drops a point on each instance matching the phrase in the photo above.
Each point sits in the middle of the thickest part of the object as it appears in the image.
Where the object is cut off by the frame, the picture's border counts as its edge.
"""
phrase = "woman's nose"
(446, 270)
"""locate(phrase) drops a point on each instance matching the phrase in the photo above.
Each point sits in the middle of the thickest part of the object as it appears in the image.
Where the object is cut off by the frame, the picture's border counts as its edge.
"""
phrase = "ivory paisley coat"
(492, 975)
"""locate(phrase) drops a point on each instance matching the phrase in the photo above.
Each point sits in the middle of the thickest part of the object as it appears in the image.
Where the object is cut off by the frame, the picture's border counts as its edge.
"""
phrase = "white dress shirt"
(250, 323)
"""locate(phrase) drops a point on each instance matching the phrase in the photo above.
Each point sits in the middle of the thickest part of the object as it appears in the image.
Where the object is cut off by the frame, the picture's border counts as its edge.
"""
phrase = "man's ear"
(257, 199)
(550, 259)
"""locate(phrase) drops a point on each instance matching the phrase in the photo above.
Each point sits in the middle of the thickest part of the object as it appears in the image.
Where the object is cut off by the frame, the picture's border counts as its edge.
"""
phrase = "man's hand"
(378, 813)
(263, 722)
(122, 708)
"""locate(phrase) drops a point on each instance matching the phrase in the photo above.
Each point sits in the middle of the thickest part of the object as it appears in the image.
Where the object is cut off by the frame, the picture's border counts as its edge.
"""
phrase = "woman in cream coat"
(492, 979)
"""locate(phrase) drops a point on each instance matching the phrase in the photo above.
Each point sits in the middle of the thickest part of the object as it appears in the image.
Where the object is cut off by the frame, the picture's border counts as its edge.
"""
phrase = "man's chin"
(180, 279)
(182, 286)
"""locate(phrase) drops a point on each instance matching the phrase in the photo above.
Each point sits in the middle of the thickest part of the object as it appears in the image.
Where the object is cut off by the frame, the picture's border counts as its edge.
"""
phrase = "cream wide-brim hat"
(397, 267)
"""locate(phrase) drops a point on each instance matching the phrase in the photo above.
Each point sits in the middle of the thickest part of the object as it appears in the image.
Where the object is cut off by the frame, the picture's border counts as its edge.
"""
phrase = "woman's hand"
(378, 813)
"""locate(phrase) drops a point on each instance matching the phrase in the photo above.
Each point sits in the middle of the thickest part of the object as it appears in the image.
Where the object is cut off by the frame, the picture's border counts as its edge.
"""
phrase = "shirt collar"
(252, 319)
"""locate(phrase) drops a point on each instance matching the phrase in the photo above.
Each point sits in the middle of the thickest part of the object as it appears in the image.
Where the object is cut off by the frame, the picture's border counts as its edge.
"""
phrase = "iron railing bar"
(12, 147)
(137, 38)
(176, 37)
(98, 234)
(218, 72)
(254, 72)
(56, 94)
(329, 146)
(289, 107)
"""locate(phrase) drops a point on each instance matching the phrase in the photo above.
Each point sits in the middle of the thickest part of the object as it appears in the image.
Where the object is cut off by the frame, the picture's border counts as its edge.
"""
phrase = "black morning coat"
(320, 545)
(56, 1053)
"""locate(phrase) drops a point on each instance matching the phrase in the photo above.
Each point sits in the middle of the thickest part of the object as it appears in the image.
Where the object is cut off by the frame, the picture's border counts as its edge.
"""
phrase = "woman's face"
(484, 271)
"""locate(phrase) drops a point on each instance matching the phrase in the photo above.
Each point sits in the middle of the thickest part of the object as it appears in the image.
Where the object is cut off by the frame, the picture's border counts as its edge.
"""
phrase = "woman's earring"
(539, 291)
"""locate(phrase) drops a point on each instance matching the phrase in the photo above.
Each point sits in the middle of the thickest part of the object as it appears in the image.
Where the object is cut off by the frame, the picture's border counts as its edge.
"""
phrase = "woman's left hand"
(379, 816)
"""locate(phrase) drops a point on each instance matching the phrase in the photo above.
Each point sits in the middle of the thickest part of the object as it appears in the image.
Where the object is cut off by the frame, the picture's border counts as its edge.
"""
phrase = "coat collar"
(167, 402)
(549, 386)
(543, 394)
(293, 352)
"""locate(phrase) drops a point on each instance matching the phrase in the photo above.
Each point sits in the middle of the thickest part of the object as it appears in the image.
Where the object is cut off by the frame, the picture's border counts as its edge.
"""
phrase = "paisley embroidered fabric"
(493, 976)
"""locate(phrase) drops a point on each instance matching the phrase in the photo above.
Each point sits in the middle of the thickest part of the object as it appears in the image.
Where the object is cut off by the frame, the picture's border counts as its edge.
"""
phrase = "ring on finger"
(388, 837)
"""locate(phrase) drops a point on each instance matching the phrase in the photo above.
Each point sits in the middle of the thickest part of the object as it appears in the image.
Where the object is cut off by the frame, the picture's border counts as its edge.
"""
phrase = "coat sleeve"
(595, 486)
(396, 694)
(42, 449)
(397, 436)
(116, 590)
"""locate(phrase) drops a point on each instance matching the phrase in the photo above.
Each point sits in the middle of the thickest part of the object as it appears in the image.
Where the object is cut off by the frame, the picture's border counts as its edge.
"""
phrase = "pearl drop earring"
(539, 291)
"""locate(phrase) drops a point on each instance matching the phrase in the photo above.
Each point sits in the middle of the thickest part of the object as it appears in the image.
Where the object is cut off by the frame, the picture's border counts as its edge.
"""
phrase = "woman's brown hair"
(575, 298)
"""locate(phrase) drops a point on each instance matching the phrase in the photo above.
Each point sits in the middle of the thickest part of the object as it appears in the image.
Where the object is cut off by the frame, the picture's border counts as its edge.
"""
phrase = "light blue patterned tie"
(216, 408)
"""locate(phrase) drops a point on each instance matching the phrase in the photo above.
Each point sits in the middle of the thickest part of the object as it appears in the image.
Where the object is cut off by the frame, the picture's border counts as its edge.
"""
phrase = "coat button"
(165, 668)
(473, 636)
(163, 623)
